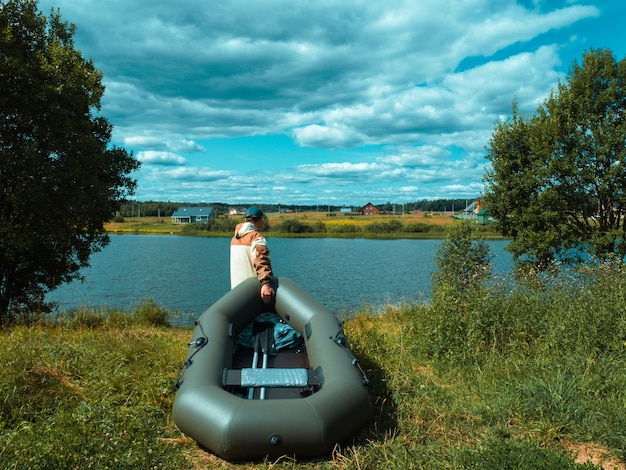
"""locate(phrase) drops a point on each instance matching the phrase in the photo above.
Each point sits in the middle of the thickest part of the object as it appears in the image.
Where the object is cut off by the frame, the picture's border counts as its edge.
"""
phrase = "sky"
(337, 102)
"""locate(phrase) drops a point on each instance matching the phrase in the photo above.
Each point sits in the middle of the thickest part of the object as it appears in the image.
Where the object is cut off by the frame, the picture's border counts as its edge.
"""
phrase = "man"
(249, 254)
(250, 257)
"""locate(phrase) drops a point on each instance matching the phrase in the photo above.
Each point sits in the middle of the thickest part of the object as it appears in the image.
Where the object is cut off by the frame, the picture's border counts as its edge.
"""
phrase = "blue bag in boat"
(285, 336)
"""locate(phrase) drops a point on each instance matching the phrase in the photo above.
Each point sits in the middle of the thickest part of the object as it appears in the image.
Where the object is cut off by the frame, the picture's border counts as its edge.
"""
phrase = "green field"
(321, 224)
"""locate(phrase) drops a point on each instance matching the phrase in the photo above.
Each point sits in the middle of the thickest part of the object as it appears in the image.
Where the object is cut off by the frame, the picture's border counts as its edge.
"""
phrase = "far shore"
(336, 226)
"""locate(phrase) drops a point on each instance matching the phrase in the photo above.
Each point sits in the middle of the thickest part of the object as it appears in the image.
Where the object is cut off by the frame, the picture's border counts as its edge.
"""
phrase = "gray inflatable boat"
(300, 402)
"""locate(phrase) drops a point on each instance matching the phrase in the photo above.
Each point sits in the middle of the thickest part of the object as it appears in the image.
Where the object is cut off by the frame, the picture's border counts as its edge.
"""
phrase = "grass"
(152, 225)
(525, 378)
(96, 397)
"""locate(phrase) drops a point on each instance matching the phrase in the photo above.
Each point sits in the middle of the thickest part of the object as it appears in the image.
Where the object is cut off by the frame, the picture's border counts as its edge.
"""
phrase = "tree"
(463, 268)
(557, 182)
(60, 179)
(463, 262)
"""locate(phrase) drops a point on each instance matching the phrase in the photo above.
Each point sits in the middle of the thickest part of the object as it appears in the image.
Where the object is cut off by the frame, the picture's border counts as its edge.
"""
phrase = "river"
(188, 274)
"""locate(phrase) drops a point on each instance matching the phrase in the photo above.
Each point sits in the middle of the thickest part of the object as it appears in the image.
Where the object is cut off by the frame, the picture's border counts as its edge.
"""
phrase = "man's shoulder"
(247, 237)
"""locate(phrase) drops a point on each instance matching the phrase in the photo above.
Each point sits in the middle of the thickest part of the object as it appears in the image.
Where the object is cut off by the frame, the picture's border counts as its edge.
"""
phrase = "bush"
(463, 261)
(534, 312)
(393, 225)
(194, 227)
(344, 228)
(461, 317)
(319, 227)
(222, 224)
(417, 227)
(294, 226)
(149, 313)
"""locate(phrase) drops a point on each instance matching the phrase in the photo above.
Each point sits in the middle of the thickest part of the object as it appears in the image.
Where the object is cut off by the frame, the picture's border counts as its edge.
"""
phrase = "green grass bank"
(528, 378)
(307, 225)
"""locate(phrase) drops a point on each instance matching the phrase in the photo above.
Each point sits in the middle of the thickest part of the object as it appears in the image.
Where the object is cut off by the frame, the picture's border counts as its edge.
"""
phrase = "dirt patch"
(597, 455)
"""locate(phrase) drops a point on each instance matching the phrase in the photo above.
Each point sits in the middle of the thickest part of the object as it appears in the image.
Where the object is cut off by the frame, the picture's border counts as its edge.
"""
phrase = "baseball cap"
(254, 213)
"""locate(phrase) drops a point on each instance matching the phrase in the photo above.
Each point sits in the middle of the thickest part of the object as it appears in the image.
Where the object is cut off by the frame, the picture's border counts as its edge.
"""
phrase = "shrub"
(294, 226)
(463, 261)
(393, 225)
(149, 313)
(344, 228)
(460, 317)
(222, 224)
(417, 227)
(194, 227)
(319, 227)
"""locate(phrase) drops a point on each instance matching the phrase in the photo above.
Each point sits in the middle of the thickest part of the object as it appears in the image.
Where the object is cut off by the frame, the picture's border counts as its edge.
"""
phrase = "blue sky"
(327, 101)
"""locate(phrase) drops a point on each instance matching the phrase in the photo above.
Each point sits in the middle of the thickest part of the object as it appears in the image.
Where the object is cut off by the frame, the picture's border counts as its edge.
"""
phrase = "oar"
(256, 344)
(267, 340)
(262, 338)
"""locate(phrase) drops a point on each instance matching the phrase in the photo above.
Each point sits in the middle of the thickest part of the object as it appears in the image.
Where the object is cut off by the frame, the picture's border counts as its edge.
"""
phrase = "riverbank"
(529, 379)
(312, 225)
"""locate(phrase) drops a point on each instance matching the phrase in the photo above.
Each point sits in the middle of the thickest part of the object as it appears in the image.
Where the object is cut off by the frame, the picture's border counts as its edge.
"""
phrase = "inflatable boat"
(248, 403)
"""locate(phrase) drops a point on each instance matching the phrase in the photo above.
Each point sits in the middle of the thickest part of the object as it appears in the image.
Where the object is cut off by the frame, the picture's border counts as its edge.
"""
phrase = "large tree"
(60, 178)
(557, 182)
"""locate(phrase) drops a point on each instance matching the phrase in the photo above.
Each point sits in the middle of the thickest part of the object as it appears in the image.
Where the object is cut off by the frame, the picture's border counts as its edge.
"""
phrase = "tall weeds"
(524, 371)
(536, 357)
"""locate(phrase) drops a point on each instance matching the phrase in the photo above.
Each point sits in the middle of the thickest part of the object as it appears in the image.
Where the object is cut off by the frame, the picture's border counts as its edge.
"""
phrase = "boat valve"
(200, 342)
(276, 440)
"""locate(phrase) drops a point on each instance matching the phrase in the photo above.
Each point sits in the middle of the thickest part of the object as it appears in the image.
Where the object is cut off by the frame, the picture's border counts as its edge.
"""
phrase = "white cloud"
(193, 174)
(218, 72)
(398, 95)
(333, 136)
(422, 156)
(160, 158)
(340, 169)
(185, 145)
(142, 141)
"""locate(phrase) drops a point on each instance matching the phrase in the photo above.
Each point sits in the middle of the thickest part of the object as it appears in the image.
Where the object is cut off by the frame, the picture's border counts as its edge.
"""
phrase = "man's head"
(253, 213)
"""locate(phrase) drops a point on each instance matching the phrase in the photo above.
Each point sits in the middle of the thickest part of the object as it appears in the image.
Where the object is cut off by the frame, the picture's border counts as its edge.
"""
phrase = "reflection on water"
(188, 274)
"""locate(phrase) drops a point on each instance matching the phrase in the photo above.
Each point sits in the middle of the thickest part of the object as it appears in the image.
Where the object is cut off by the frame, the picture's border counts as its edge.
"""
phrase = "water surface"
(188, 274)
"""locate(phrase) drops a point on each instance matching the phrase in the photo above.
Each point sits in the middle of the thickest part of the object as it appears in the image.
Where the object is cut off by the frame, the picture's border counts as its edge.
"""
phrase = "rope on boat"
(340, 340)
(197, 344)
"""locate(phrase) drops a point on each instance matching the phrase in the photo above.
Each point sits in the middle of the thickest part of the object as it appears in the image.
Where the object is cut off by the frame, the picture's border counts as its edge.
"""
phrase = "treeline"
(162, 209)
(166, 209)
(437, 205)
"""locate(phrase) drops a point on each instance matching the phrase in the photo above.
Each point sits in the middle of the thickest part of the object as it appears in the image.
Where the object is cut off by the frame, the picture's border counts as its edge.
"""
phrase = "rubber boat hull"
(236, 428)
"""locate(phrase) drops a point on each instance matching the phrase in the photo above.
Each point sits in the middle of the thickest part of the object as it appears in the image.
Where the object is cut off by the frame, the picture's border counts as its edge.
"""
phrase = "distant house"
(471, 211)
(187, 215)
(369, 209)
(482, 217)
(477, 211)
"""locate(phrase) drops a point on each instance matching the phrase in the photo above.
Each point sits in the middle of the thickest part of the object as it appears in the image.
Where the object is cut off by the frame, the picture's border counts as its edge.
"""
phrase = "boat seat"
(273, 377)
